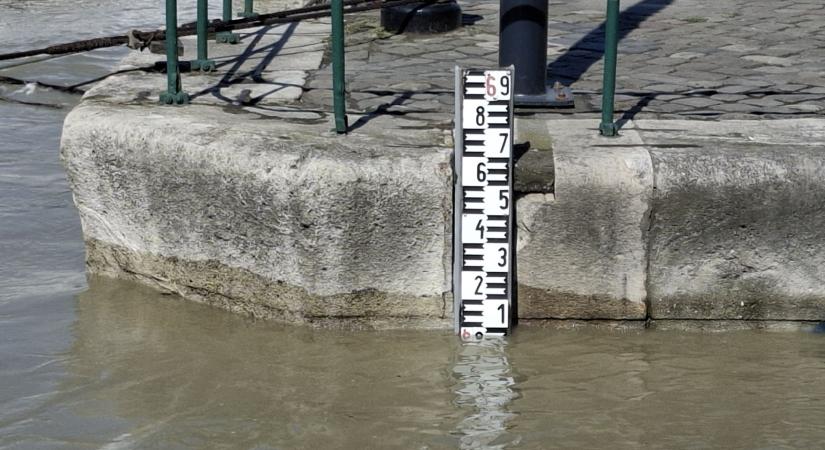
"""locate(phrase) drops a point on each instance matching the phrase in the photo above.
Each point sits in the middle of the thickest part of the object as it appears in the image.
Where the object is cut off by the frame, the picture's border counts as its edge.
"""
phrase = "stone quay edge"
(246, 200)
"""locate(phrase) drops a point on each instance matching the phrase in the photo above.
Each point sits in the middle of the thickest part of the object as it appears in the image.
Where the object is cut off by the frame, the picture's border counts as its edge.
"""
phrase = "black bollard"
(522, 42)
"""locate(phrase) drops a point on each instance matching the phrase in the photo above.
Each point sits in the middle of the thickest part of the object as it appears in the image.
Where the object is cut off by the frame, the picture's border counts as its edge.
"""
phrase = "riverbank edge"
(357, 228)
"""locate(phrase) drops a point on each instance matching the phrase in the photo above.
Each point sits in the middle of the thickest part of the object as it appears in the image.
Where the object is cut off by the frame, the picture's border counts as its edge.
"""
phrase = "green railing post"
(338, 81)
(247, 9)
(227, 37)
(611, 48)
(174, 94)
(203, 63)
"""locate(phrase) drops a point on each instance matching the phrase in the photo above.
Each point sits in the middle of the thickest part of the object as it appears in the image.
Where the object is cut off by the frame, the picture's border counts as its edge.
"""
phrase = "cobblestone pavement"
(703, 59)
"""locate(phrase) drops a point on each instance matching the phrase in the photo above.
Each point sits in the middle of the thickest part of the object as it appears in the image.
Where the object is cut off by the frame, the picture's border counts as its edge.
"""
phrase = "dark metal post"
(338, 80)
(203, 63)
(247, 9)
(227, 37)
(523, 44)
(611, 49)
(174, 94)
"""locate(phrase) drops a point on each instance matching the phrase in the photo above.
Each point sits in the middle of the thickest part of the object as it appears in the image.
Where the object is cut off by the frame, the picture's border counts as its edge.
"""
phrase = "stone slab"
(581, 251)
(272, 218)
(738, 223)
(269, 67)
(534, 170)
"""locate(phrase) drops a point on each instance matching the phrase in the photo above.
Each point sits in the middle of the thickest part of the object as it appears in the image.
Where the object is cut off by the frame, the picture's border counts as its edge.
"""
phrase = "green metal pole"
(203, 63)
(338, 81)
(611, 49)
(227, 37)
(174, 94)
(247, 9)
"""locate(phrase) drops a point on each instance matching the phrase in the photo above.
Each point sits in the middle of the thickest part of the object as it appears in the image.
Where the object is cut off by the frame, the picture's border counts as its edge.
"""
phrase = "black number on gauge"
(481, 175)
(480, 116)
(480, 229)
(503, 261)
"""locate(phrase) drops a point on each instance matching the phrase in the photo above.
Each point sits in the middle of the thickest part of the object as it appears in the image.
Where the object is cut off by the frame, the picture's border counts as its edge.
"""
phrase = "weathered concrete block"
(534, 170)
(273, 218)
(581, 252)
(738, 225)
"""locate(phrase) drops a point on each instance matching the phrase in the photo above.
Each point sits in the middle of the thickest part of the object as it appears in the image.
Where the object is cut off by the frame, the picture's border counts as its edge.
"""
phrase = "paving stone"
(665, 88)
(762, 102)
(807, 107)
(697, 102)
(742, 58)
(734, 89)
(729, 97)
(706, 84)
(776, 69)
(735, 107)
(796, 98)
(772, 60)
(405, 50)
(687, 55)
(739, 48)
(668, 107)
(790, 87)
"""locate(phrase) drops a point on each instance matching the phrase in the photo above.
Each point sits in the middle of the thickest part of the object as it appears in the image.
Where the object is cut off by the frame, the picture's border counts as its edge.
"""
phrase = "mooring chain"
(141, 39)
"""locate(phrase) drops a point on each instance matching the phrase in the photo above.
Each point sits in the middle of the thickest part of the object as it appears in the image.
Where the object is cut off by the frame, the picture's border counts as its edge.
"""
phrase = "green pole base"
(250, 15)
(204, 65)
(227, 37)
(174, 98)
(609, 129)
(341, 125)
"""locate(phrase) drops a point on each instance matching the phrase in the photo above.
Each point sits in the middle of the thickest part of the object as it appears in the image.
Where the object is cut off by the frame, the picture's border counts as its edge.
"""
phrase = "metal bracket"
(174, 98)
(227, 37)
(609, 129)
(204, 65)
(557, 96)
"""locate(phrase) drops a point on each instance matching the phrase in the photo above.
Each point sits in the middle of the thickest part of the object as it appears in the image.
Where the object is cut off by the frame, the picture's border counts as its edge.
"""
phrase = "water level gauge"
(483, 224)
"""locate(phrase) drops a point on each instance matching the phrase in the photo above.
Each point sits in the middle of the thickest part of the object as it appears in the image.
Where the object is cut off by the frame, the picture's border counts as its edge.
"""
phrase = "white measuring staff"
(483, 222)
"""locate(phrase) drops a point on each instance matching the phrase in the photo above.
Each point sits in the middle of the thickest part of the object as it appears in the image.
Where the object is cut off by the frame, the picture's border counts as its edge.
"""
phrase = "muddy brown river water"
(101, 364)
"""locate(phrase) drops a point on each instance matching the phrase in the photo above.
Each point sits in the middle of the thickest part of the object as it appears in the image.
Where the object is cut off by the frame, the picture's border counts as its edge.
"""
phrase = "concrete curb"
(733, 229)
(276, 219)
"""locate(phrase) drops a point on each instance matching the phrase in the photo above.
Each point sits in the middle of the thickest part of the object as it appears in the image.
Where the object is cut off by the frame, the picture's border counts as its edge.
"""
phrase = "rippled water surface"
(110, 365)
(120, 366)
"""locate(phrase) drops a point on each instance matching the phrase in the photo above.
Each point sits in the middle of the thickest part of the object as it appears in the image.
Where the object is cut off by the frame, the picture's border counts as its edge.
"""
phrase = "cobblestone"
(715, 59)
(709, 59)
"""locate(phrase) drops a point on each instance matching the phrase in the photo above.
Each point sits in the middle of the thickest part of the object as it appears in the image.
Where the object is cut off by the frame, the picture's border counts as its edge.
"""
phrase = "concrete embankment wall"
(259, 208)
(272, 219)
(678, 220)
(672, 220)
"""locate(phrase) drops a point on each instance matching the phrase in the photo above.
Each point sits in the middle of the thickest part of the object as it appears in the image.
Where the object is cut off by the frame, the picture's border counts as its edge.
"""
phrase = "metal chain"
(286, 16)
